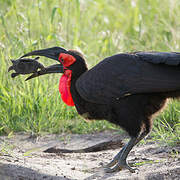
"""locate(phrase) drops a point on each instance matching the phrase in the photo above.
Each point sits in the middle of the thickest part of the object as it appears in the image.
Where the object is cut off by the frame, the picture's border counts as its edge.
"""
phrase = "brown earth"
(21, 158)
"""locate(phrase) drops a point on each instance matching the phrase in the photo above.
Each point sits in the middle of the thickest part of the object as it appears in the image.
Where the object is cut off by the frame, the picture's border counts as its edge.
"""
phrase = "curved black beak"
(52, 53)
(56, 68)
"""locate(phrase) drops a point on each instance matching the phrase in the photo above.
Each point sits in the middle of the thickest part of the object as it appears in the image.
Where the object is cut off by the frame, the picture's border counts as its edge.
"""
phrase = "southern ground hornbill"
(126, 89)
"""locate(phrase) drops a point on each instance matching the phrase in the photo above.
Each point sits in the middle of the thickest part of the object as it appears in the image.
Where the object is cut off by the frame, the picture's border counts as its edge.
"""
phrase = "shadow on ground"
(9, 172)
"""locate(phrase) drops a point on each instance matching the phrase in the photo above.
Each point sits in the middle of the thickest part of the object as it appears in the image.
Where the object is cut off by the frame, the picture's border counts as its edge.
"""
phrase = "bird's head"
(71, 63)
(67, 60)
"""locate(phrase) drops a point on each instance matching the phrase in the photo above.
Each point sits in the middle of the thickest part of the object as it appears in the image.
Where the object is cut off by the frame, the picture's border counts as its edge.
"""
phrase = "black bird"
(126, 89)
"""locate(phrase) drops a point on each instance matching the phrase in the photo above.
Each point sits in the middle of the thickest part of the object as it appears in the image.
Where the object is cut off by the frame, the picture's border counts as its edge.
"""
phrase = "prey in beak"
(52, 53)
(25, 66)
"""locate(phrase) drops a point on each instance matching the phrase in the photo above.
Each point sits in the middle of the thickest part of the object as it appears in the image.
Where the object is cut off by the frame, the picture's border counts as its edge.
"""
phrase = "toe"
(110, 164)
(114, 169)
(119, 166)
(124, 165)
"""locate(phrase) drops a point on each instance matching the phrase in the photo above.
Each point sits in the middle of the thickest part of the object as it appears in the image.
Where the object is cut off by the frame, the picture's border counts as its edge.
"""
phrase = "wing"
(125, 74)
(169, 58)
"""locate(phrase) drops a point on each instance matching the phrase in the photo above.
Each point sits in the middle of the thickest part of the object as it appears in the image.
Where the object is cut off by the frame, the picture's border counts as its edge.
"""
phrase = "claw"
(10, 68)
(112, 163)
(111, 170)
(119, 166)
(32, 76)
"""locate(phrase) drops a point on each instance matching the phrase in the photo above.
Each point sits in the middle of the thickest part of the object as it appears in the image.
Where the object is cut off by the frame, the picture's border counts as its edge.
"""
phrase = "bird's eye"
(62, 60)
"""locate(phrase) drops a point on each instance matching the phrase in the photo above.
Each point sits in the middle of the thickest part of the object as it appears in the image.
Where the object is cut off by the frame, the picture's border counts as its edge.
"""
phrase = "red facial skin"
(66, 59)
(65, 80)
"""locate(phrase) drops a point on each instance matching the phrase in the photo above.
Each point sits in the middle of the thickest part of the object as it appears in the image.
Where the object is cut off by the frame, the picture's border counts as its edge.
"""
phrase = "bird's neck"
(79, 102)
(67, 87)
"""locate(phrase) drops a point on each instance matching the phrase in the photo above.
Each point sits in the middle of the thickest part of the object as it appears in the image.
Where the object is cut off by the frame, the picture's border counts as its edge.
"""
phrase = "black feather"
(125, 74)
(169, 58)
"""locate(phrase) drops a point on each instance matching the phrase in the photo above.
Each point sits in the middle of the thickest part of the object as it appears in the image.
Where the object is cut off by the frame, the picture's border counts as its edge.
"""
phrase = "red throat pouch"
(64, 88)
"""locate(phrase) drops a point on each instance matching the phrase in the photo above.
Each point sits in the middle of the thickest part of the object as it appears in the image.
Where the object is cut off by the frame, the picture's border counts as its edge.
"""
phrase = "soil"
(22, 158)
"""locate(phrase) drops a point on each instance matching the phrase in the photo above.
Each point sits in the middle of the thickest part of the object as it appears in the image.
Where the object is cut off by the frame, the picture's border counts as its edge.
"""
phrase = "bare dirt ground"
(17, 162)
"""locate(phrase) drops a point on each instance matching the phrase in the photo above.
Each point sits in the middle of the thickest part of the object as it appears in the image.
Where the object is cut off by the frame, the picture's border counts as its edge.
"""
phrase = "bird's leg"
(141, 136)
(120, 158)
(115, 159)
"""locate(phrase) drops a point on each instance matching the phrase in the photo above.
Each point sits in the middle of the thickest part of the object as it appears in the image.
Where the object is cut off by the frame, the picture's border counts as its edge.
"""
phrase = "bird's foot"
(119, 161)
(115, 159)
(112, 163)
(119, 165)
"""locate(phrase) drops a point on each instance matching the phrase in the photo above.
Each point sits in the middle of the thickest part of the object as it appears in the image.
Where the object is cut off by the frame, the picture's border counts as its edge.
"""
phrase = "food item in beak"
(25, 66)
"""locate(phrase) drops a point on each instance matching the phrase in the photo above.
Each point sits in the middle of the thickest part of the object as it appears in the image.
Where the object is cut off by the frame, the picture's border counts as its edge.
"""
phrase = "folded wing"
(126, 74)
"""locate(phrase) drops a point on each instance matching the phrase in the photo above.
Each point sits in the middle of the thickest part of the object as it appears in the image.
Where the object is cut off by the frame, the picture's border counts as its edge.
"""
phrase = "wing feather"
(169, 58)
(125, 74)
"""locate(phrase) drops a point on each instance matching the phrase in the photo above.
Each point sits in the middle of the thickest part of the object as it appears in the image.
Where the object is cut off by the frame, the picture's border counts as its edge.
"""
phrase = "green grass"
(167, 125)
(98, 28)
